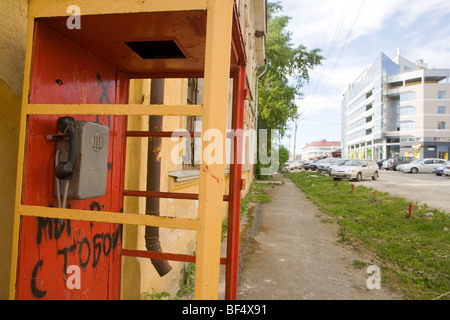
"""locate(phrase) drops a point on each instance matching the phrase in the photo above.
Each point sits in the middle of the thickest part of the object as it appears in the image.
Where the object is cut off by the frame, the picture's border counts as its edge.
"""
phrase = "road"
(421, 187)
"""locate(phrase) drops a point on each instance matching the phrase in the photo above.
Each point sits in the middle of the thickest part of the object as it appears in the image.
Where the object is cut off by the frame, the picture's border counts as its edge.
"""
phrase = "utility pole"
(295, 133)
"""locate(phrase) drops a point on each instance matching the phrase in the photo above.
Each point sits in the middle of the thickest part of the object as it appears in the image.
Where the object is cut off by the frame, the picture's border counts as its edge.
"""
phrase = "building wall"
(138, 274)
(13, 26)
(396, 103)
(317, 150)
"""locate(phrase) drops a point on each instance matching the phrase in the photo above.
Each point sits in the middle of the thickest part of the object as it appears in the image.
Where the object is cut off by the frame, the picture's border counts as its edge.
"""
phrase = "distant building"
(320, 149)
(397, 108)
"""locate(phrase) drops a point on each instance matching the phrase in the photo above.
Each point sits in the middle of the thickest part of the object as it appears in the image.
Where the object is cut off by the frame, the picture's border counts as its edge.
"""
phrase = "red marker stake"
(411, 208)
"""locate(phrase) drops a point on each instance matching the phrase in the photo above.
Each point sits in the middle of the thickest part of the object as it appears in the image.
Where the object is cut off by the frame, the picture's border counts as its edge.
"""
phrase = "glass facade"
(381, 112)
(365, 94)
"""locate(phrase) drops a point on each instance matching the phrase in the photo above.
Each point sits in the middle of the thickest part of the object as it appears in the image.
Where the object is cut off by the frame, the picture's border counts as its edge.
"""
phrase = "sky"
(351, 35)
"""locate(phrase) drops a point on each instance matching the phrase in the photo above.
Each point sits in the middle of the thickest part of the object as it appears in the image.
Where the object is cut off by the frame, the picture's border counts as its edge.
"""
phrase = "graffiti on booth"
(87, 250)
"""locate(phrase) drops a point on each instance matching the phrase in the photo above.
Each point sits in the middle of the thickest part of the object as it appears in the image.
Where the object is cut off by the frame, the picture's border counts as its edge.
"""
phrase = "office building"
(397, 108)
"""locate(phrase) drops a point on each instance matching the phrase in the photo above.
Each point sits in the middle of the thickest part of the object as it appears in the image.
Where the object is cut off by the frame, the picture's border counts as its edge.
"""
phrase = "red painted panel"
(57, 256)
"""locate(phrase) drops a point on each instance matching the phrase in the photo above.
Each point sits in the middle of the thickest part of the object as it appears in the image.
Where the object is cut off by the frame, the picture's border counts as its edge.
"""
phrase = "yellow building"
(180, 175)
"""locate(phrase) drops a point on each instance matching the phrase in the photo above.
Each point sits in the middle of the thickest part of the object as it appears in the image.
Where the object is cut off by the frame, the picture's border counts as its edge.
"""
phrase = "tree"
(284, 157)
(287, 71)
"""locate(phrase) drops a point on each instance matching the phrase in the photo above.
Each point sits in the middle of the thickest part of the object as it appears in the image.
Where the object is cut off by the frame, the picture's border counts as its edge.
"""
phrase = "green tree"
(287, 71)
(284, 156)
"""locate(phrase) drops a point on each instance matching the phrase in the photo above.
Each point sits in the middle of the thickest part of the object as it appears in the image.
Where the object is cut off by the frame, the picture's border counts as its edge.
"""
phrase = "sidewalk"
(290, 254)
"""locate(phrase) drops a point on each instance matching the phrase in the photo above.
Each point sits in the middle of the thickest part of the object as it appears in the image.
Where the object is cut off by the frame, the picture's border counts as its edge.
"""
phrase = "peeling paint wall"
(13, 26)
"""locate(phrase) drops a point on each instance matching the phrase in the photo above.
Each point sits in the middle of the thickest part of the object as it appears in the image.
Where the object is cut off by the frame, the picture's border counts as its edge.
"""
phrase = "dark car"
(313, 165)
(394, 162)
(305, 165)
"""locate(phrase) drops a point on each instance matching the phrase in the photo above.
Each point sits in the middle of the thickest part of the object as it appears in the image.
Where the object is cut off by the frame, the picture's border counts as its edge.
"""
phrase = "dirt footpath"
(291, 255)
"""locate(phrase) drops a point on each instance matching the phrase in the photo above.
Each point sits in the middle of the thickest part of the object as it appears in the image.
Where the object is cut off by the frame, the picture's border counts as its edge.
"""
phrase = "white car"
(421, 165)
(336, 164)
(355, 169)
(447, 171)
(325, 164)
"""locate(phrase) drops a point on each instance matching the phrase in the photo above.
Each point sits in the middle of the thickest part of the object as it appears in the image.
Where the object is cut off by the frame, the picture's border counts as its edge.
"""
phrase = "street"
(421, 187)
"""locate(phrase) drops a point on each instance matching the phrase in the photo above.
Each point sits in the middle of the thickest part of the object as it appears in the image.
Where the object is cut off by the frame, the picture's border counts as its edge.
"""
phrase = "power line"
(326, 35)
(331, 48)
(340, 53)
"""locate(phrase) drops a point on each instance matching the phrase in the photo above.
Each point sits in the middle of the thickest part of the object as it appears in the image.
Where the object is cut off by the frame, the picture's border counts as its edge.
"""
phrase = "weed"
(358, 264)
(156, 295)
(187, 281)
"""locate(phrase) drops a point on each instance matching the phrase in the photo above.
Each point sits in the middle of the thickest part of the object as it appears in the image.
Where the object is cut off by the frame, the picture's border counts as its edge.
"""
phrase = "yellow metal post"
(21, 157)
(215, 102)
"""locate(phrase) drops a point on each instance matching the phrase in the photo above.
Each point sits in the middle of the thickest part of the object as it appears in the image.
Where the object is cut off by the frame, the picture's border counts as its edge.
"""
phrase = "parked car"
(306, 164)
(385, 164)
(447, 171)
(325, 163)
(297, 164)
(313, 165)
(394, 162)
(439, 169)
(336, 164)
(355, 169)
(421, 165)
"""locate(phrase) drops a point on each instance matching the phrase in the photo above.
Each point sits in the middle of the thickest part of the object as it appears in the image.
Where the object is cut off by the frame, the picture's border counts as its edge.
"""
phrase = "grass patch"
(413, 254)
(256, 194)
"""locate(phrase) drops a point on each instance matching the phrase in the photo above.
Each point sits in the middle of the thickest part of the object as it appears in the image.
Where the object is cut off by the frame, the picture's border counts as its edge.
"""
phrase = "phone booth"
(70, 181)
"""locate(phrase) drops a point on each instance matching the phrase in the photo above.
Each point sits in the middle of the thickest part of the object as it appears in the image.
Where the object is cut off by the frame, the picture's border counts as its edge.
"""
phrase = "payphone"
(81, 159)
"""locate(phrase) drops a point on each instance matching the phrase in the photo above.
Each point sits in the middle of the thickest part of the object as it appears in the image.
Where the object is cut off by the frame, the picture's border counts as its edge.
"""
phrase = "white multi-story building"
(320, 149)
(397, 108)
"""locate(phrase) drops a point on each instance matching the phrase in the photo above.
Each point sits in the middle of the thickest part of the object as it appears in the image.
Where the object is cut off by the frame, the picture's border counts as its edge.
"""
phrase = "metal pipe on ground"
(152, 239)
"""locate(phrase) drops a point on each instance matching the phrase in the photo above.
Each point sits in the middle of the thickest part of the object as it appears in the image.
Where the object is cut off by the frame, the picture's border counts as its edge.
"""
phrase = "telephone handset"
(64, 170)
(81, 158)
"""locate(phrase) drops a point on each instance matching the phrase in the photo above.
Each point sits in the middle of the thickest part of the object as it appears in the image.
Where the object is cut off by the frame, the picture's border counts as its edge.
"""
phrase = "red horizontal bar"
(166, 195)
(162, 134)
(163, 256)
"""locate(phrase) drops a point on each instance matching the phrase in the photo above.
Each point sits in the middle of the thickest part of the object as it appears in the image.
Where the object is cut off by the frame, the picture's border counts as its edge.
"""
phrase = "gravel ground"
(421, 187)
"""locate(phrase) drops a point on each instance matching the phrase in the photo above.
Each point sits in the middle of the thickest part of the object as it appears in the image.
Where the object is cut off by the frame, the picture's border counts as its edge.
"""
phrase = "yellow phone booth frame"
(216, 75)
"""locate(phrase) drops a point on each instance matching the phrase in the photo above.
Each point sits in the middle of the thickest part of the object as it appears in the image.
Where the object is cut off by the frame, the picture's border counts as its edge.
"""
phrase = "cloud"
(351, 37)
(327, 23)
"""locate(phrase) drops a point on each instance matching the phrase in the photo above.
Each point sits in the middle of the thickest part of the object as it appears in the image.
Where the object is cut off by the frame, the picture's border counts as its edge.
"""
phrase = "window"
(407, 125)
(442, 110)
(441, 125)
(442, 94)
(408, 96)
(407, 111)
(193, 124)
